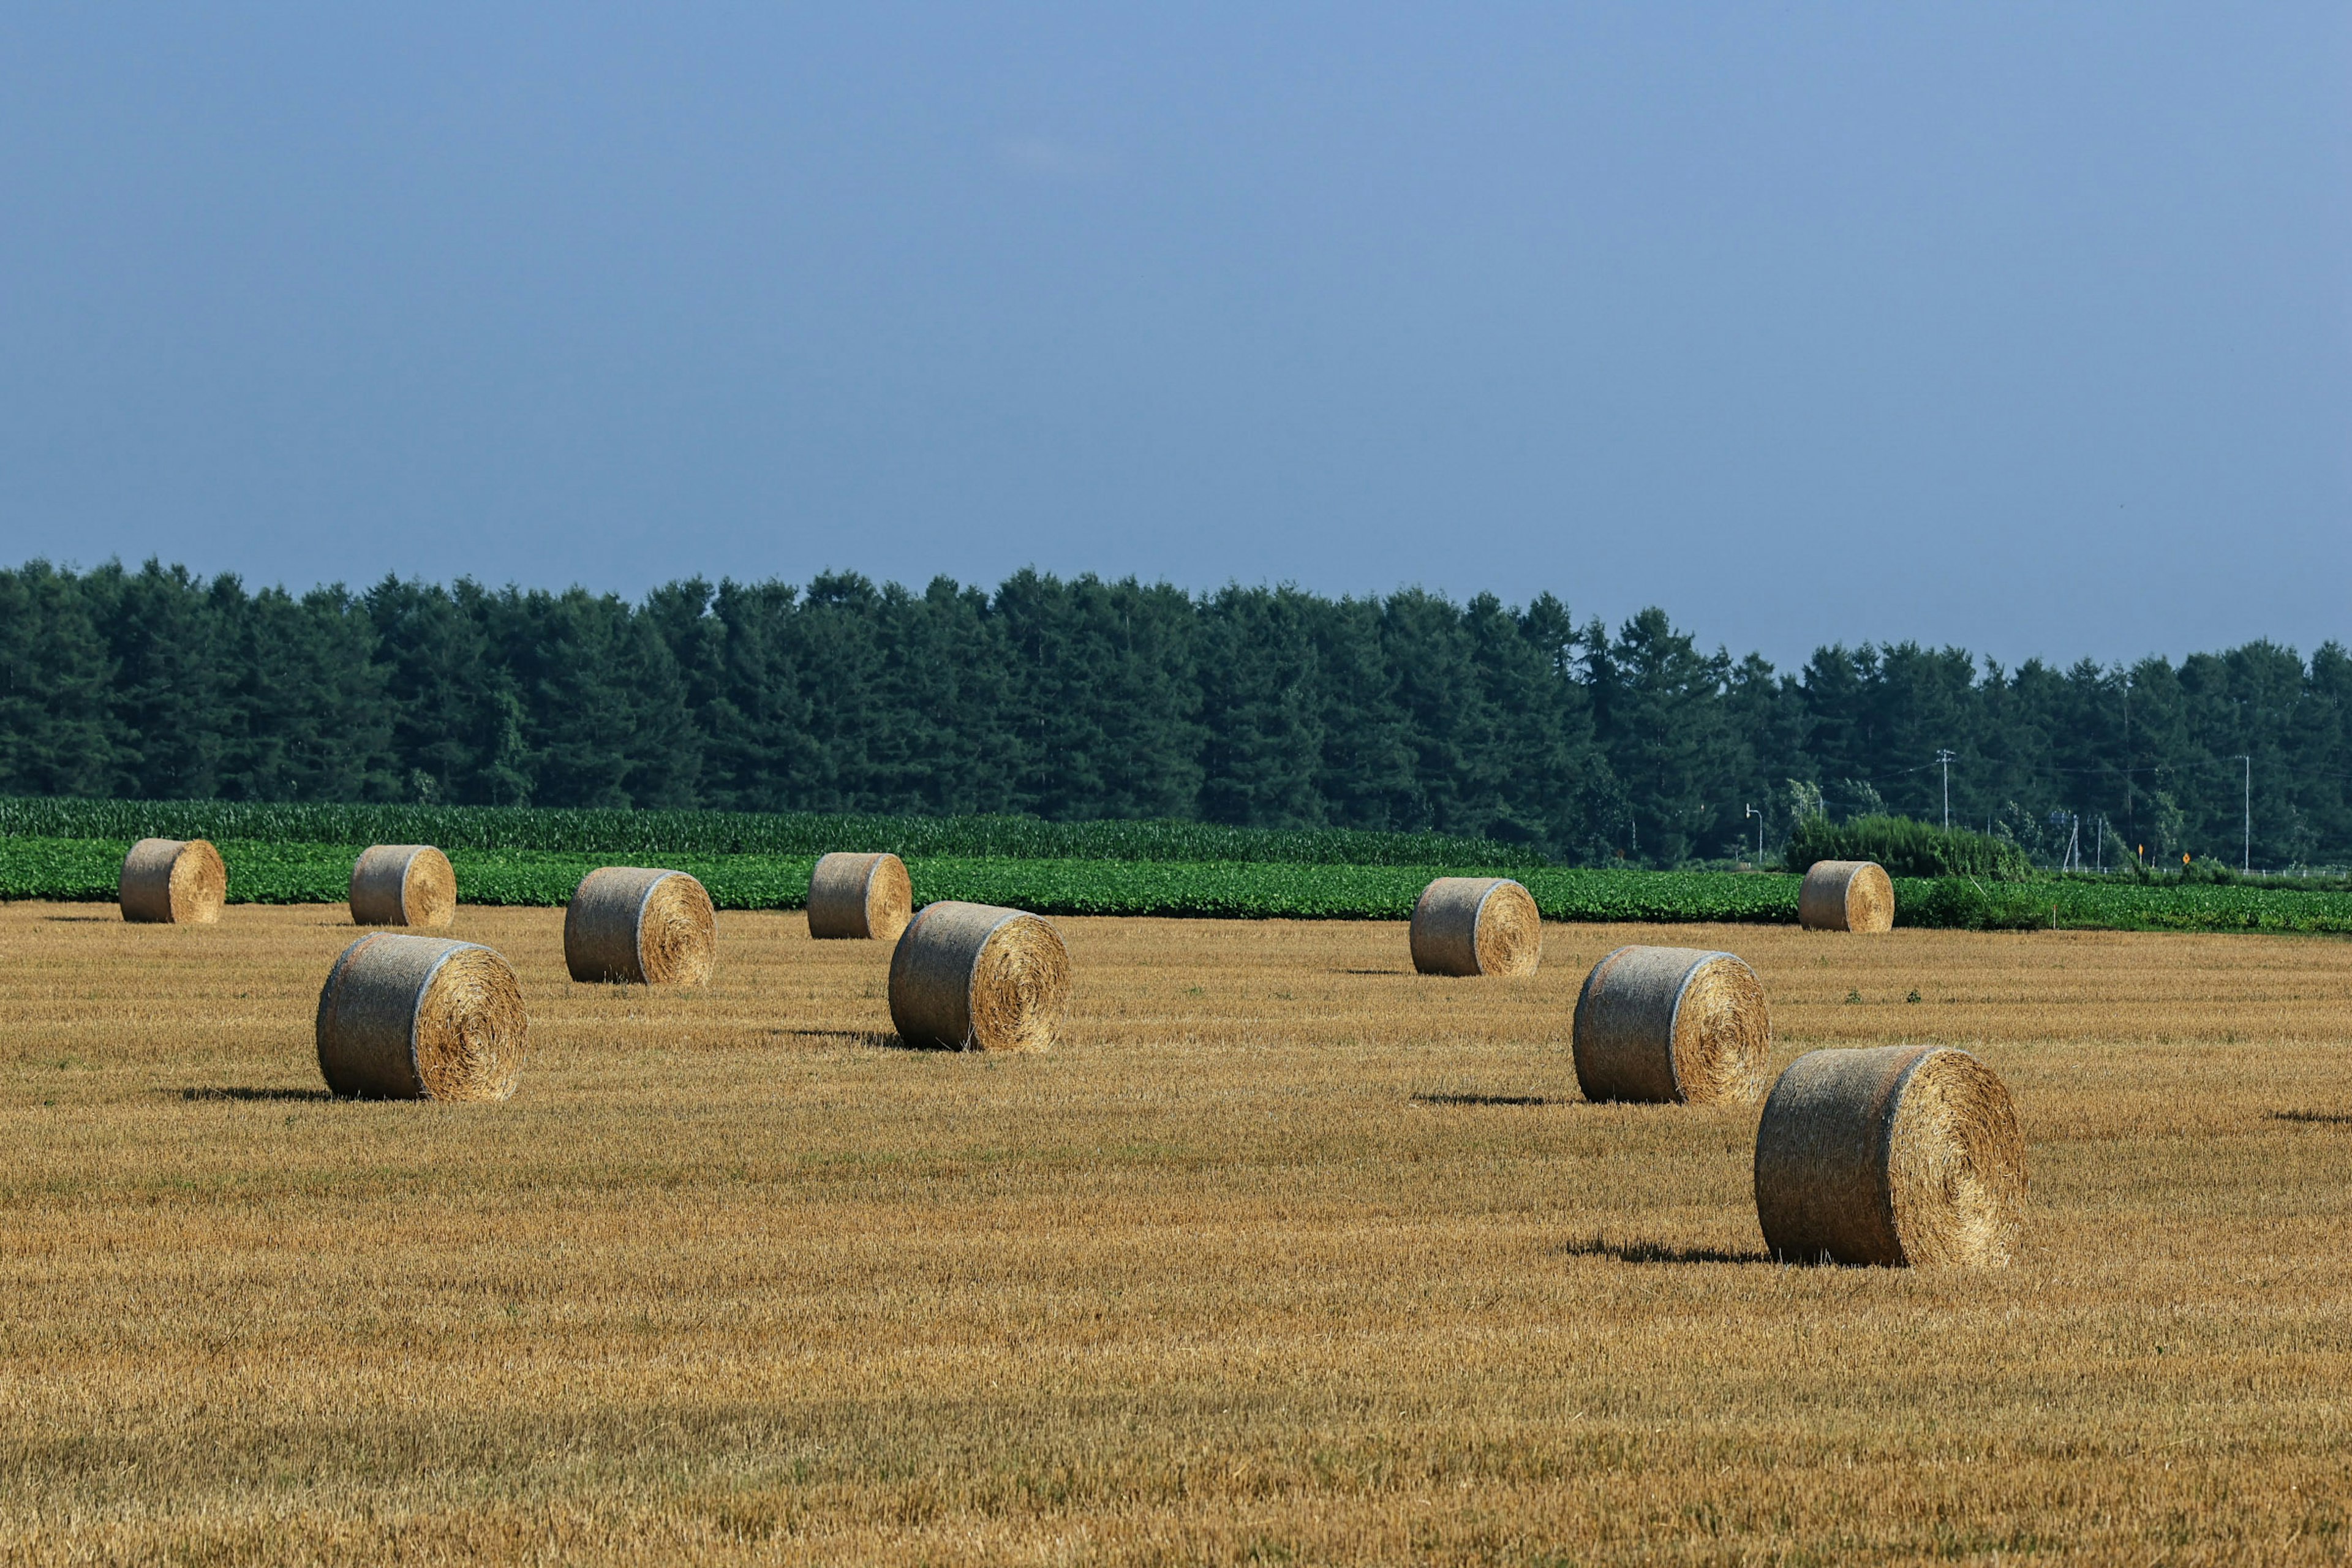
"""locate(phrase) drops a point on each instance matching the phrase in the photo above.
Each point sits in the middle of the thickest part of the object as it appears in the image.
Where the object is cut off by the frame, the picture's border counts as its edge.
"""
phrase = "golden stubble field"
(1285, 1255)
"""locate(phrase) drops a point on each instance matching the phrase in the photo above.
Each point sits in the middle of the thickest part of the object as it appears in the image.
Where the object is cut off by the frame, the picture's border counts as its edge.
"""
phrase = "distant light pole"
(2246, 860)
(1945, 758)
(1751, 811)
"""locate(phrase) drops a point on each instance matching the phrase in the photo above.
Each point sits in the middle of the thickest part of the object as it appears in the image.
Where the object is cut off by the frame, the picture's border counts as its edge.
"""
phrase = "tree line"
(1084, 698)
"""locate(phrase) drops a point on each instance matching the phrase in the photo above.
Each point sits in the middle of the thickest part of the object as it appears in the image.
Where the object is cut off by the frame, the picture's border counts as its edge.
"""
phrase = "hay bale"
(173, 881)
(1846, 895)
(421, 1017)
(976, 977)
(404, 885)
(860, 896)
(1671, 1024)
(1476, 925)
(1895, 1154)
(644, 926)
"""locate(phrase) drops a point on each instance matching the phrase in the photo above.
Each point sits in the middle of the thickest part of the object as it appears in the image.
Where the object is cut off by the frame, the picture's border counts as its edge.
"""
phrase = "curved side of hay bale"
(1892, 1155)
(173, 881)
(1671, 1024)
(860, 896)
(641, 925)
(1846, 895)
(421, 1017)
(1476, 925)
(404, 885)
(975, 976)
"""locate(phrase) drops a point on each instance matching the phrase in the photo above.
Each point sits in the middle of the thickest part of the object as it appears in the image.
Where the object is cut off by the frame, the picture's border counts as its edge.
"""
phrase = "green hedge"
(1906, 848)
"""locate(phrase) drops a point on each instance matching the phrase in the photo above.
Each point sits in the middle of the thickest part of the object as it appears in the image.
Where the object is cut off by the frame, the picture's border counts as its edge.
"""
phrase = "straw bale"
(404, 885)
(421, 1017)
(1476, 925)
(1895, 1154)
(1671, 1024)
(173, 882)
(860, 896)
(974, 976)
(1846, 895)
(640, 925)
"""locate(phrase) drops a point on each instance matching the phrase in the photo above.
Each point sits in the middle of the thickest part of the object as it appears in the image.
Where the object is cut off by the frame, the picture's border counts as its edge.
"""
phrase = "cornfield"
(676, 832)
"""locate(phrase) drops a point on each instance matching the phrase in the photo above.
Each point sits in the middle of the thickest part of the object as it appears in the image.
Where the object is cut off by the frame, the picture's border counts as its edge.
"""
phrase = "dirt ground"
(1283, 1255)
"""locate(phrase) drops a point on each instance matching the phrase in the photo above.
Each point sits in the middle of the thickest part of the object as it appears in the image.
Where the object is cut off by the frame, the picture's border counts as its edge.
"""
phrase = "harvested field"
(1282, 1254)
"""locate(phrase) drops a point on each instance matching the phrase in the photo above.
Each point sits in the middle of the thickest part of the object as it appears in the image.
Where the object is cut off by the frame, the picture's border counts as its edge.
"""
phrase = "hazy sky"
(2024, 327)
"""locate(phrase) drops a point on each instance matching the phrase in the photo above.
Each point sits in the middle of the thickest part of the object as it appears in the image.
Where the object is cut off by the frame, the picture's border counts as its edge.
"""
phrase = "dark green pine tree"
(1367, 777)
(312, 718)
(1262, 708)
(1108, 697)
(173, 704)
(1658, 705)
(57, 681)
(604, 713)
(454, 714)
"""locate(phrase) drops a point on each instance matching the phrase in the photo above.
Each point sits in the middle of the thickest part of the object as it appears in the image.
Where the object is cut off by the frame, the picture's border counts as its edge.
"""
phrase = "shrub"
(1906, 848)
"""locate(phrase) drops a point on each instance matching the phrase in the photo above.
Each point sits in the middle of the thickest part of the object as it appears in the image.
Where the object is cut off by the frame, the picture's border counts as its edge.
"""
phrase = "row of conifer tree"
(1086, 699)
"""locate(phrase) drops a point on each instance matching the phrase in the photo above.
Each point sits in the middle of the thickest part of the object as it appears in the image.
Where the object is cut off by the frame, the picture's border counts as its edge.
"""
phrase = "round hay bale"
(404, 885)
(1895, 1154)
(1476, 925)
(421, 1017)
(1846, 895)
(173, 881)
(646, 927)
(976, 977)
(860, 896)
(1671, 1024)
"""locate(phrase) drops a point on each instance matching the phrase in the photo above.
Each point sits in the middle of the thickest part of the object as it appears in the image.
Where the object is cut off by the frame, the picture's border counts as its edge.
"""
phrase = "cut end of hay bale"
(1892, 1155)
(1846, 895)
(979, 977)
(860, 896)
(641, 926)
(173, 881)
(404, 885)
(1665, 1024)
(421, 1017)
(1476, 925)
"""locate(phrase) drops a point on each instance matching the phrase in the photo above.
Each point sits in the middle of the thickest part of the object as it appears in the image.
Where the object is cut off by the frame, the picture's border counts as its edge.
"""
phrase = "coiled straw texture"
(642, 926)
(421, 1017)
(977, 977)
(1476, 925)
(1846, 895)
(173, 881)
(1896, 1154)
(404, 885)
(1671, 1024)
(860, 896)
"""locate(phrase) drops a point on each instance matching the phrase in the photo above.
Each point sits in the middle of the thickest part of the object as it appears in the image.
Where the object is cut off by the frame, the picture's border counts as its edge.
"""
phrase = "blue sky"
(2025, 328)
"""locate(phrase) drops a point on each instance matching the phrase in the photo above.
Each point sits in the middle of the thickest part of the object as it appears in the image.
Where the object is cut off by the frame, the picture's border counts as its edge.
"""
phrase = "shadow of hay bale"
(1658, 1252)
(233, 1092)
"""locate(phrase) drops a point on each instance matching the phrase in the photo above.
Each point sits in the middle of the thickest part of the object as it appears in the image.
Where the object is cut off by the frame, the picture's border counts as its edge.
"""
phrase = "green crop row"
(672, 833)
(84, 868)
(320, 873)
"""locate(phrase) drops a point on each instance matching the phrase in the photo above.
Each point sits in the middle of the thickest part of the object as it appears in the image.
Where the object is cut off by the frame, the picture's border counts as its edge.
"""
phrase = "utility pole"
(1945, 757)
(1751, 811)
(2246, 862)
